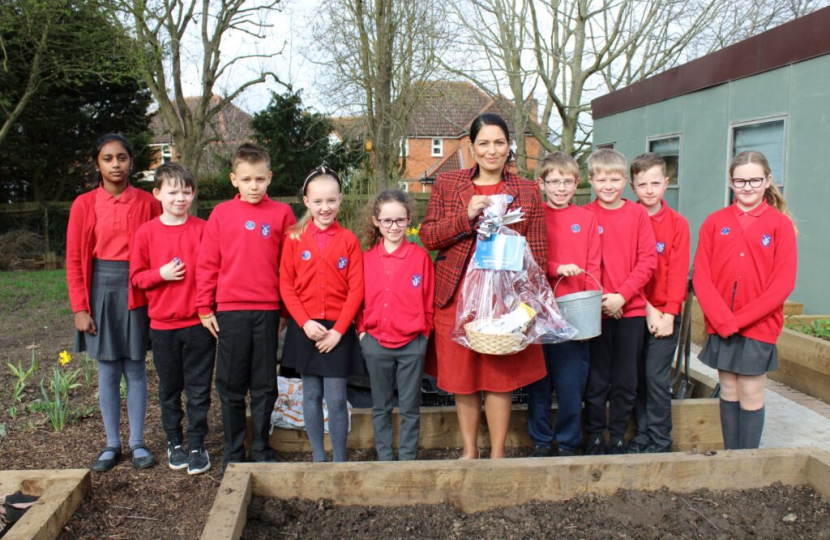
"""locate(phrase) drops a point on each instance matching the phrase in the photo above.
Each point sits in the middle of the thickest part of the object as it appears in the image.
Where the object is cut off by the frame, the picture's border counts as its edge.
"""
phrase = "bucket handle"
(583, 272)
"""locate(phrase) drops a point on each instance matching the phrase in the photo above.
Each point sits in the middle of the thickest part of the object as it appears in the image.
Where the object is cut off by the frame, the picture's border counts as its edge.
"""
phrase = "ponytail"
(300, 227)
(774, 198)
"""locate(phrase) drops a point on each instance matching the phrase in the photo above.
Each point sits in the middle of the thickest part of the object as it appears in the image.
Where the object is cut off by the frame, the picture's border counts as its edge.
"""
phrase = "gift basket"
(506, 302)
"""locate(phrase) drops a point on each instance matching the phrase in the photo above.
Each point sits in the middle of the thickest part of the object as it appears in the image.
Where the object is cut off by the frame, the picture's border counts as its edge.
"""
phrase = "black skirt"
(739, 354)
(301, 354)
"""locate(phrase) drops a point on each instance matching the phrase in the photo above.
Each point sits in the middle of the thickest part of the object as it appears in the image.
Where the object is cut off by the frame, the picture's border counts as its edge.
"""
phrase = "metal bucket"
(583, 310)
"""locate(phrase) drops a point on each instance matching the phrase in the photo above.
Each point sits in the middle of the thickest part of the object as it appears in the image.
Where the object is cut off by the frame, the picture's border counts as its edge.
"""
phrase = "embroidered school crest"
(306, 255)
(766, 240)
(341, 263)
(416, 280)
(724, 231)
(661, 247)
(600, 229)
(265, 230)
(575, 228)
(249, 225)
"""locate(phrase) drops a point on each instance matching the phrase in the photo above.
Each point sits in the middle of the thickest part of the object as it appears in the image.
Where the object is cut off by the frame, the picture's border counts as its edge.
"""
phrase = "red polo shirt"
(399, 301)
(743, 276)
(667, 289)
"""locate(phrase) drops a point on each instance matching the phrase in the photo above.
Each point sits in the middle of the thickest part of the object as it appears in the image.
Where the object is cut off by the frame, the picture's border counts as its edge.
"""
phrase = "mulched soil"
(777, 512)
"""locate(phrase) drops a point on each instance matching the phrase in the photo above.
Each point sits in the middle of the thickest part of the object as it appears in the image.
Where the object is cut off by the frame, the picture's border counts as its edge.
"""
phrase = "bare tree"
(163, 30)
(380, 54)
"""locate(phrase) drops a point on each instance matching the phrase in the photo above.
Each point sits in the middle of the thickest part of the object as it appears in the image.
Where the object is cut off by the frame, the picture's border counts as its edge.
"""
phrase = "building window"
(437, 147)
(166, 153)
(668, 148)
(766, 137)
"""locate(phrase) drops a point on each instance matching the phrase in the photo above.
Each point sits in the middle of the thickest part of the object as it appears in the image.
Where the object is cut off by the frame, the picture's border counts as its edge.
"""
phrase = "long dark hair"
(489, 119)
(101, 142)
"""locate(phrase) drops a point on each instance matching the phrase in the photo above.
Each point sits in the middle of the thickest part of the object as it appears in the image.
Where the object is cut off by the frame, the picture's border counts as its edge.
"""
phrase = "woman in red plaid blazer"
(457, 200)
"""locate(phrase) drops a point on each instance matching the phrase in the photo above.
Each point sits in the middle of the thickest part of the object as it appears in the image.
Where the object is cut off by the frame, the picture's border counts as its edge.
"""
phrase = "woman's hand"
(314, 330)
(84, 323)
(477, 204)
(329, 342)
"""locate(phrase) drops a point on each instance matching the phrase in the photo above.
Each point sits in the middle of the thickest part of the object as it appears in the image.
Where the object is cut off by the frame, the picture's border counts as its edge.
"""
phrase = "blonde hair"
(772, 195)
(371, 233)
(607, 160)
(560, 162)
(300, 227)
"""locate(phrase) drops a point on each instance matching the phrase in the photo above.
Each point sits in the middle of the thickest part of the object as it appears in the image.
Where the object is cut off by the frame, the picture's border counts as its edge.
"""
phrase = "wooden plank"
(481, 485)
(696, 424)
(60, 492)
(818, 471)
(811, 352)
(802, 379)
(229, 513)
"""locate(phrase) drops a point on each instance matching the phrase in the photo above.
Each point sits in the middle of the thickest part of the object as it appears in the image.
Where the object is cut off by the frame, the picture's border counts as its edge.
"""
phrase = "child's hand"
(314, 330)
(653, 318)
(329, 342)
(173, 271)
(211, 324)
(477, 204)
(665, 328)
(84, 323)
(568, 270)
(612, 304)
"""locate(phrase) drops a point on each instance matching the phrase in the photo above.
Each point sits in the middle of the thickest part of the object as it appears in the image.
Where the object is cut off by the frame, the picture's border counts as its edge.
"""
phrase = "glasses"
(741, 183)
(387, 223)
(556, 183)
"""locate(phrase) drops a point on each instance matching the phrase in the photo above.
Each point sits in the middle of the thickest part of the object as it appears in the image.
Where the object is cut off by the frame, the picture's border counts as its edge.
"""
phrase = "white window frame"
(679, 136)
(437, 147)
(406, 147)
(166, 153)
(730, 136)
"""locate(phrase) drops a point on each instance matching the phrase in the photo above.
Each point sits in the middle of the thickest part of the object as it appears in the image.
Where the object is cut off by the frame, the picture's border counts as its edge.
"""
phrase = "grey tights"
(109, 394)
(333, 389)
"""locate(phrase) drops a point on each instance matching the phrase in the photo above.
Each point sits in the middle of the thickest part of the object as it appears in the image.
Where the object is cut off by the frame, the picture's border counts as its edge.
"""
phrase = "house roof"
(450, 162)
(230, 124)
(804, 38)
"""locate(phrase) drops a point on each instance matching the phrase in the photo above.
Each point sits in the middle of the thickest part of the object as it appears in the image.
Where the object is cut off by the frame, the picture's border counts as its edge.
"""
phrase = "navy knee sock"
(751, 426)
(729, 422)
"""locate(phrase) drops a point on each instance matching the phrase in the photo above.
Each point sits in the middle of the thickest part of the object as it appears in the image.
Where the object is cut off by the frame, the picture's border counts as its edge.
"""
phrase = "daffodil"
(65, 358)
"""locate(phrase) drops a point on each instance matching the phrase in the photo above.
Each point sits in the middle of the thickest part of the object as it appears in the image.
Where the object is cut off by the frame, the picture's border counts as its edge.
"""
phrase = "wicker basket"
(496, 344)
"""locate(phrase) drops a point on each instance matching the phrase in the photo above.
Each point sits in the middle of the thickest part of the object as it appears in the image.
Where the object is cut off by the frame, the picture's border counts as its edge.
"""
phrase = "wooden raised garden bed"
(476, 486)
(60, 492)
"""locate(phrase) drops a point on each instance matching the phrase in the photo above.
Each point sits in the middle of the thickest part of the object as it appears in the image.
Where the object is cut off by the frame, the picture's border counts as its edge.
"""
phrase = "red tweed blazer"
(446, 227)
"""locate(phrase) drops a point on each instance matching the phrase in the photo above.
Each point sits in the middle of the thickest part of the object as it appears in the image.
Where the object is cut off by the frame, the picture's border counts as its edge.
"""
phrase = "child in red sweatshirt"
(321, 282)
(665, 294)
(573, 252)
(745, 268)
(238, 300)
(628, 262)
(163, 263)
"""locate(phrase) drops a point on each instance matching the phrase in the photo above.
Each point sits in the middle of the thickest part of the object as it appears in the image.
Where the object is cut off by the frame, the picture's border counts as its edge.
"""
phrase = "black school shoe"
(595, 446)
(198, 461)
(617, 447)
(638, 447)
(144, 462)
(542, 450)
(564, 452)
(654, 448)
(104, 465)
(176, 456)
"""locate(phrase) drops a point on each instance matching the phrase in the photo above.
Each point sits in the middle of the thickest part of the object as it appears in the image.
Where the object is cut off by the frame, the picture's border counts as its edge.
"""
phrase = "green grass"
(28, 290)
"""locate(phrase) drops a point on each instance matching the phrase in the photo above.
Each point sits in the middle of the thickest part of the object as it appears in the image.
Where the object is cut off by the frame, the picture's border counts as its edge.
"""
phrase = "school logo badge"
(724, 231)
(416, 280)
(341, 263)
(250, 225)
(600, 229)
(306, 255)
(575, 228)
(661, 247)
(766, 240)
(265, 230)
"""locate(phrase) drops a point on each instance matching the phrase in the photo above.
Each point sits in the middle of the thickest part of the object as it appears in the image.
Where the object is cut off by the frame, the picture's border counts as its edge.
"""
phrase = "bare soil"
(777, 512)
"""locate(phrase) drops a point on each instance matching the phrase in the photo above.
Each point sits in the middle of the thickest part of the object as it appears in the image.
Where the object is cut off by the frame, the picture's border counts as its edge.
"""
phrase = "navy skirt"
(123, 334)
(739, 354)
(301, 354)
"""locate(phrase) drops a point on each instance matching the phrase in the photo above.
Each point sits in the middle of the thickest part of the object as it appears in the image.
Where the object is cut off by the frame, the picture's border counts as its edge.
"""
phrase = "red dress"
(462, 371)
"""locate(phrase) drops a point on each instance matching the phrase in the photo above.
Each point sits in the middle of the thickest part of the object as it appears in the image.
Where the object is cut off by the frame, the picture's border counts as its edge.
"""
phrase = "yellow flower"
(65, 358)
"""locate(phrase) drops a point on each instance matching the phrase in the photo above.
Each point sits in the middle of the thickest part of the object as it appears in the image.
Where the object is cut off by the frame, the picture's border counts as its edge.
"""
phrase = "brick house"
(229, 128)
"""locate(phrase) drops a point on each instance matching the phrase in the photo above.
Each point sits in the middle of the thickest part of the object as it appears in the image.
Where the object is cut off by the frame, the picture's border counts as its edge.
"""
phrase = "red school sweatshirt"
(400, 287)
(172, 304)
(667, 289)
(573, 238)
(743, 277)
(80, 243)
(238, 266)
(628, 255)
(325, 284)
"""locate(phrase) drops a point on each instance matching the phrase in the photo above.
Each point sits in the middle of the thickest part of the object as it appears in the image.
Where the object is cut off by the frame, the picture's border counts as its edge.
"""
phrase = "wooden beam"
(818, 472)
(475, 486)
(229, 513)
(60, 492)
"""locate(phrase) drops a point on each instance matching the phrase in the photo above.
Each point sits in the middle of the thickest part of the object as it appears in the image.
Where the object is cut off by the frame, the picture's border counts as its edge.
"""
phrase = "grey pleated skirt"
(739, 354)
(123, 334)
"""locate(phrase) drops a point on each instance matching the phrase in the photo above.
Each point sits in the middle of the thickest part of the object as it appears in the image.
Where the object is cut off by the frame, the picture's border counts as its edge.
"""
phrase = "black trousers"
(612, 376)
(652, 409)
(184, 361)
(247, 361)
